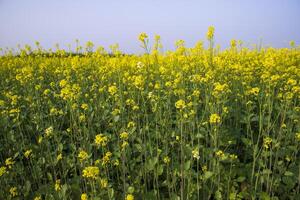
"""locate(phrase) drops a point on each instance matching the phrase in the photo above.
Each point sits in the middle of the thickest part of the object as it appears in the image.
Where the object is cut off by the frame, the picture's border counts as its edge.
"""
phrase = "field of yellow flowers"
(194, 123)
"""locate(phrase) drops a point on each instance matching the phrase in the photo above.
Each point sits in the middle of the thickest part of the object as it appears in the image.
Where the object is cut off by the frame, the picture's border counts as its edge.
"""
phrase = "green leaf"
(130, 190)
(138, 147)
(160, 170)
(264, 196)
(111, 193)
(241, 179)
(27, 188)
(187, 165)
(207, 175)
(151, 163)
(288, 173)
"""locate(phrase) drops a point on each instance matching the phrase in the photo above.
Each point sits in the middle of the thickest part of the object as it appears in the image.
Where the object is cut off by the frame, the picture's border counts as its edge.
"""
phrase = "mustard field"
(193, 123)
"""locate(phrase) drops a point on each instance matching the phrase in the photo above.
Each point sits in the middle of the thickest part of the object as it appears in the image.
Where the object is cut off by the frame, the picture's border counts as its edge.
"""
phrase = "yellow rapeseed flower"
(129, 197)
(9, 162)
(59, 157)
(84, 106)
(84, 196)
(103, 183)
(106, 158)
(210, 33)
(254, 91)
(90, 172)
(2, 170)
(82, 155)
(101, 140)
(195, 153)
(57, 185)
(13, 191)
(124, 135)
(167, 160)
(49, 131)
(214, 119)
(220, 154)
(27, 153)
(297, 137)
(112, 90)
(267, 142)
(142, 37)
(37, 198)
(180, 104)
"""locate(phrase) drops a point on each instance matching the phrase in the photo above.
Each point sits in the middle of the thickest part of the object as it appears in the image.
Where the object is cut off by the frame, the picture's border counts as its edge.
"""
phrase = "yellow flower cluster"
(142, 37)
(82, 155)
(124, 135)
(180, 104)
(106, 158)
(90, 172)
(214, 119)
(84, 196)
(220, 154)
(167, 160)
(9, 162)
(210, 33)
(27, 153)
(297, 137)
(2, 170)
(267, 142)
(13, 191)
(49, 131)
(112, 90)
(101, 140)
(57, 186)
(129, 197)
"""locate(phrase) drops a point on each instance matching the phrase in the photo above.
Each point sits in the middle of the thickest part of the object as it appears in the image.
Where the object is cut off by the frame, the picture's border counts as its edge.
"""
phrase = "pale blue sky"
(275, 22)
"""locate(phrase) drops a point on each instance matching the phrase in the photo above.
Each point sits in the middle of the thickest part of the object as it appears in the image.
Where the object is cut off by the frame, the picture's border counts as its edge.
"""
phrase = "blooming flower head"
(83, 155)
(84, 106)
(210, 33)
(195, 153)
(112, 90)
(180, 104)
(220, 154)
(214, 119)
(103, 183)
(38, 198)
(100, 140)
(124, 145)
(233, 156)
(84, 196)
(130, 124)
(13, 191)
(167, 160)
(129, 197)
(2, 170)
(297, 137)
(267, 142)
(220, 89)
(9, 162)
(57, 185)
(124, 135)
(233, 43)
(49, 131)
(142, 37)
(59, 157)
(106, 158)
(27, 153)
(90, 172)
(254, 91)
